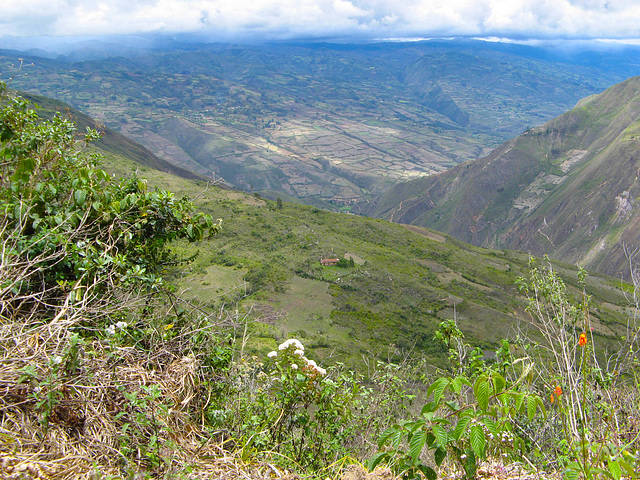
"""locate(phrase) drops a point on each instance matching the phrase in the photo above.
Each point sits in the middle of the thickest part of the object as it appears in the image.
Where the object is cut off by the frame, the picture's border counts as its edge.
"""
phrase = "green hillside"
(567, 188)
(405, 280)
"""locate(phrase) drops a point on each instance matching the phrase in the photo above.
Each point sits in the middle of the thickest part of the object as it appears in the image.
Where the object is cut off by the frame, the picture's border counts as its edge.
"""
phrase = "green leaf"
(491, 426)
(626, 466)
(477, 440)
(417, 444)
(386, 435)
(396, 438)
(456, 385)
(428, 472)
(499, 383)
(437, 388)
(441, 435)
(482, 391)
(541, 406)
(461, 427)
(614, 468)
(376, 459)
(470, 465)
(572, 472)
(531, 407)
(439, 455)
(80, 196)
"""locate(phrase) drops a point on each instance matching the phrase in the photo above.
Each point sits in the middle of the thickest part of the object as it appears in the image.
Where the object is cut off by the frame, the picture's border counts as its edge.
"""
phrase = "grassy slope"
(266, 264)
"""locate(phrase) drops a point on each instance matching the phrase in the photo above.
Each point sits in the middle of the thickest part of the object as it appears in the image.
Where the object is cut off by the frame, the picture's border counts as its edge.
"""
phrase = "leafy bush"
(69, 231)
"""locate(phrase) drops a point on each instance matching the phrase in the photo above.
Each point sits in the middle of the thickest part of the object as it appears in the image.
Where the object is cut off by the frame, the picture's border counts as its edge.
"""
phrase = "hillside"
(141, 341)
(330, 124)
(404, 281)
(567, 188)
(110, 142)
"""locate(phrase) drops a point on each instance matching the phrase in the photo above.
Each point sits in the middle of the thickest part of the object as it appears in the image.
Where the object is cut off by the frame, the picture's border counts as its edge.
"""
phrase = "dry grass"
(72, 416)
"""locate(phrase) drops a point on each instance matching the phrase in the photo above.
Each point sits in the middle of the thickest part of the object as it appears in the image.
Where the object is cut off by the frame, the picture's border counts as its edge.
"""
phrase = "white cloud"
(295, 18)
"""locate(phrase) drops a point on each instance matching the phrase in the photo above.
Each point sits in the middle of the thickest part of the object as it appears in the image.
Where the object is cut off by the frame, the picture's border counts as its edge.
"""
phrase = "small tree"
(69, 232)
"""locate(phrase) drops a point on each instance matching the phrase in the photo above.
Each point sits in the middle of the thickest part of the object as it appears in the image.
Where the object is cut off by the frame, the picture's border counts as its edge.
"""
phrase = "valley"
(567, 188)
(328, 124)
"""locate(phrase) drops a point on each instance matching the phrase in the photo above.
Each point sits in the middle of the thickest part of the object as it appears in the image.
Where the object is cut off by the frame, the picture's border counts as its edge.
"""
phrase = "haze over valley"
(328, 124)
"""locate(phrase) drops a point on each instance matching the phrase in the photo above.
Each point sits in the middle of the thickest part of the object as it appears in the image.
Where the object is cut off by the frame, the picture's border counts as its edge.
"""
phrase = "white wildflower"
(312, 363)
(272, 354)
(122, 325)
(288, 343)
(37, 390)
(321, 371)
(294, 366)
(463, 456)
(57, 360)
(299, 352)
(111, 330)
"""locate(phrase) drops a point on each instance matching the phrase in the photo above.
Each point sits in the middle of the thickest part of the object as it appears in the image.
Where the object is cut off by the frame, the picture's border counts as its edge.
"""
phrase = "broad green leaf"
(453, 406)
(572, 473)
(482, 391)
(477, 440)
(417, 444)
(437, 388)
(470, 465)
(428, 408)
(441, 435)
(614, 468)
(499, 383)
(461, 427)
(541, 406)
(519, 401)
(386, 435)
(491, 426)
(439, 455)
(396, 438)
(428, 472)
(531, 407)
(80, 196)
(376, 459)
(626, 466)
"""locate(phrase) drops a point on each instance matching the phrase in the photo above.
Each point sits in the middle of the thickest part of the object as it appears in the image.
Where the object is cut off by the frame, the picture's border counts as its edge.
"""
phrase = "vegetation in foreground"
(106, 373)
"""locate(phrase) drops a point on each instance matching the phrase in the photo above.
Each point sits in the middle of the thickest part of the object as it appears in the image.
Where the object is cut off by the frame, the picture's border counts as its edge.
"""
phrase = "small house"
(329, 261)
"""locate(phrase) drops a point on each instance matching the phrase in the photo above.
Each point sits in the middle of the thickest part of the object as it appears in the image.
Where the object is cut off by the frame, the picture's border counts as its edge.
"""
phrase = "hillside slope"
(111, 142)
(568, 188)
(405, 280)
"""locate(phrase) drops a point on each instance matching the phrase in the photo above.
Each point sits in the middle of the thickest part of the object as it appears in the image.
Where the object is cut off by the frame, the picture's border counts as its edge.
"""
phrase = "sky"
(308, 19)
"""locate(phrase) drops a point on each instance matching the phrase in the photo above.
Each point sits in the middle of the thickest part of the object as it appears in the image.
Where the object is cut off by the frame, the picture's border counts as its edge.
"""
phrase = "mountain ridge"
(567, 188)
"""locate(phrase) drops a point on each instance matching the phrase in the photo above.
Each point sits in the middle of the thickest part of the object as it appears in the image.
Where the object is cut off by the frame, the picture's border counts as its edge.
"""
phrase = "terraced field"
(331, 125)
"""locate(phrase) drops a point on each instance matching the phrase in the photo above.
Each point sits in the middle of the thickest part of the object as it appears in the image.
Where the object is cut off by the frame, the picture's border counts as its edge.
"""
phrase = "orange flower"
(558, 390)
(553, 399)
(582, 341)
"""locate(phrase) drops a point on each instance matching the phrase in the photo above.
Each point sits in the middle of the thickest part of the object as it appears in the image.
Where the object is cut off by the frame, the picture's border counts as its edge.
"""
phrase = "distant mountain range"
(329, 124)
(569, 188)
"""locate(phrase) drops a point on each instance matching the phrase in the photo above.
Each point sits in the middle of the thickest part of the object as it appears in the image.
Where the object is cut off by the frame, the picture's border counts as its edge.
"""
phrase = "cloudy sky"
(286, 19)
